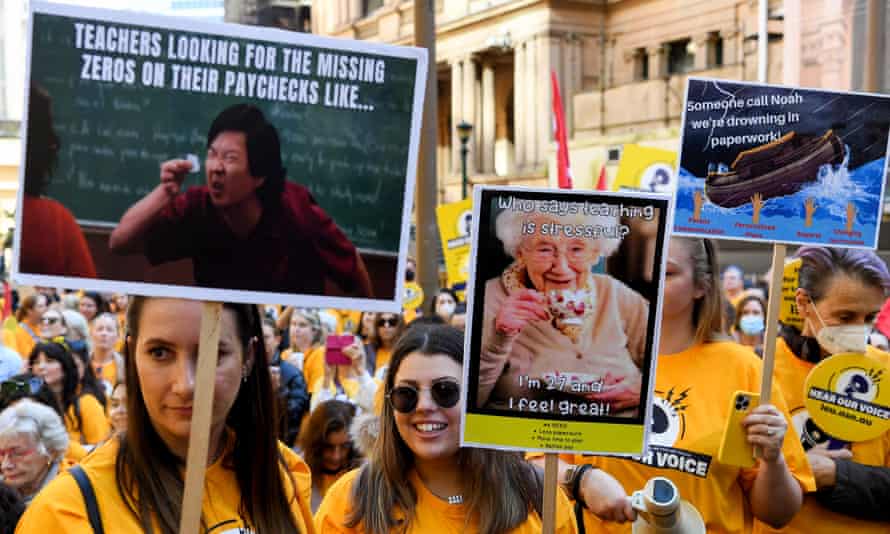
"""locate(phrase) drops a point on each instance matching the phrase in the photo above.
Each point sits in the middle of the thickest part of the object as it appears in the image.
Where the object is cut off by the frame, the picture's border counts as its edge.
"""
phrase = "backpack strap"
(89, 498)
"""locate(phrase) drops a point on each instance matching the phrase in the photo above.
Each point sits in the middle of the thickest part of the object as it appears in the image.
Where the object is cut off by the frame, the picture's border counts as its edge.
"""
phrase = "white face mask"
(842, 338)
(445, 309)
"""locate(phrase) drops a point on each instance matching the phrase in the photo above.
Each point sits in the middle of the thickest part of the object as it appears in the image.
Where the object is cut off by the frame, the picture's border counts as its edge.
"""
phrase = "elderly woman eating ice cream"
(554, 331)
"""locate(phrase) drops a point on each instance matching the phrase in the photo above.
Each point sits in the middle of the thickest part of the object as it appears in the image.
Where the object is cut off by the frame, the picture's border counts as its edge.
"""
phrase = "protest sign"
(781, 164)
(552, 344)
(288, 160)
(644, 168)
(845, 397)
(455, 222)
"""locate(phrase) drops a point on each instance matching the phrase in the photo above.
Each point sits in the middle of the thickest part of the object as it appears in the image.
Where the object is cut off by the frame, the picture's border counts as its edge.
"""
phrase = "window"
(641, 64)
(680, 57)
(614, 154)
(369, 6)
(717, 43)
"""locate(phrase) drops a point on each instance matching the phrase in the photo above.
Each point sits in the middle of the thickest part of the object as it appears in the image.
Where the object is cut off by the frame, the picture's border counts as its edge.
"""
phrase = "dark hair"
(400, 328)
(263, 148)
(89, 383)
(741, 306)
(381, 487)
(449, 292)
(820, 264)
(146, 468)
(359, 328)
(42, 142)
(69, 398)
(328, 417)
(101, 303)
(12, 506)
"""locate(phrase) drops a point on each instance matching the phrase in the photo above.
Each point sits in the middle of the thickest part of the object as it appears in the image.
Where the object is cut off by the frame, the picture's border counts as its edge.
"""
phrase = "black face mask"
(804, 347)
(409, 275)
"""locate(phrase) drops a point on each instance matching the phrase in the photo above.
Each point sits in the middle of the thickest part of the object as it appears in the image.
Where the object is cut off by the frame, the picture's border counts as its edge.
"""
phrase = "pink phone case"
(334, 350)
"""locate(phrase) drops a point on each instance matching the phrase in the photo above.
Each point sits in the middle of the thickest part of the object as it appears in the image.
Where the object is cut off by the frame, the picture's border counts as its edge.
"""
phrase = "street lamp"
(464, 129)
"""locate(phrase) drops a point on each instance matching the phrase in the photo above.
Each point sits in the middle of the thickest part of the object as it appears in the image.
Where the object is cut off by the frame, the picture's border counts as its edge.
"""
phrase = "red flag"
(603, 183)
(559, 133)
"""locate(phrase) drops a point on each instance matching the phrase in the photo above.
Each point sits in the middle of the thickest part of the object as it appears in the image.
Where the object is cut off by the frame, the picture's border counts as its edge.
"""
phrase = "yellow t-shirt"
(106, 374)
(95, 423)
(21, 340)
(60, 507)
(432, 514)
(813, 518)
(691, 405)
(383, 358)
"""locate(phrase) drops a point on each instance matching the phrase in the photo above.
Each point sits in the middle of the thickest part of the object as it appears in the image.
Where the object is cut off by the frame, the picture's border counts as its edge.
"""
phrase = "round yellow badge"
(845, 395)
(413, 296)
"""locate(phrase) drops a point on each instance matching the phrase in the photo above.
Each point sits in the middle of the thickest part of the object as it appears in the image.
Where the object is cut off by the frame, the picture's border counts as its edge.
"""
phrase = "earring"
(244, 373)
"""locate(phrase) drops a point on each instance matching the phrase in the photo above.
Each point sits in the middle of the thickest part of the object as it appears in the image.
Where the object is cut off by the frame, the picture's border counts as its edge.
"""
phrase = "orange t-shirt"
(52, 241)
(21, 339)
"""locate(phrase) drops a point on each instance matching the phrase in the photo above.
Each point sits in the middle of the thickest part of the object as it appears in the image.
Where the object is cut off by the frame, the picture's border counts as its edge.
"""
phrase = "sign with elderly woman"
(563, 300)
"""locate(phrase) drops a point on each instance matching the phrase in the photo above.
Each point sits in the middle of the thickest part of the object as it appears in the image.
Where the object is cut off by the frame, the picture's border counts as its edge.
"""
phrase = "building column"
(703, 52)
(469, 110)
(658, 67)
(572, 72)
(488, 115)
(531, 103)
(456, 112)
(731, 48)
(519, 110)
(550, 53)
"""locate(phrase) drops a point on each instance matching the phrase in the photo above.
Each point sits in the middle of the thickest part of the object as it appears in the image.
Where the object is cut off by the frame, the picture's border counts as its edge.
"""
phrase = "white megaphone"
(660, 510)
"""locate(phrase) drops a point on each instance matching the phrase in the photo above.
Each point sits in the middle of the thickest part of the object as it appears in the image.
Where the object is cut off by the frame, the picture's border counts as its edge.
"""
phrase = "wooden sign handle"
(772, 322)
(551, 473)
(202, 408)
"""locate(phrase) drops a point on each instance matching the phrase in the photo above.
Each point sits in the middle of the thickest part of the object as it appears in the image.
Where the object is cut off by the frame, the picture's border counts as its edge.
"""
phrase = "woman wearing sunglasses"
(388, 327)
(418, 479)
(52, 324)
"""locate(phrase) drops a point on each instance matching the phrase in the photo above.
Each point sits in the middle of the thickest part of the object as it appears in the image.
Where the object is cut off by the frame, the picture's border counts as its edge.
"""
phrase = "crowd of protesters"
(362, 415)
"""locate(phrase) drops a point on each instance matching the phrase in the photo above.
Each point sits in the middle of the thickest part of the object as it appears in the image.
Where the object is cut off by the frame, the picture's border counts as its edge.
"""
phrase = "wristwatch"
(572, 482)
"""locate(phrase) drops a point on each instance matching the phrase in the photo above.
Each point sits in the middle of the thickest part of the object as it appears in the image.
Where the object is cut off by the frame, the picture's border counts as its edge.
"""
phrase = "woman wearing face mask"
(417, 478)
(252, 482)
(445, 304)
(749, 323)
(698, 371)
(840, 293)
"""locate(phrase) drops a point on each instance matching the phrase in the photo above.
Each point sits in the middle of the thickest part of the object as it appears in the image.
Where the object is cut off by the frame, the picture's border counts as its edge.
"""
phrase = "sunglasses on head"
(19, 386)
(392, 321)
(404, 399)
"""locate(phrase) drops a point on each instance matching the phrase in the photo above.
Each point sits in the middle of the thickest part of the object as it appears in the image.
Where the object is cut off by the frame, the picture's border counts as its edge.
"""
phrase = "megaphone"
(660, 510)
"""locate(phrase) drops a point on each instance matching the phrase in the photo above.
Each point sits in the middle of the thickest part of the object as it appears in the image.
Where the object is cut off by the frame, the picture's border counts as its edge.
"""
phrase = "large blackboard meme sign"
(279, 163)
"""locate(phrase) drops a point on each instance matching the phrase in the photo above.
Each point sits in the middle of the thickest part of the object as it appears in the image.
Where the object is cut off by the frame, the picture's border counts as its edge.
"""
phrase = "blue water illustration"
(782, 219)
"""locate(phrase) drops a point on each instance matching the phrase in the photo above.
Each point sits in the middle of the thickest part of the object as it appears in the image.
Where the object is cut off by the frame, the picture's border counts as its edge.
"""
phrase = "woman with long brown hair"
(417, 478)
(327, 446)
(252, 484)
(27, 332)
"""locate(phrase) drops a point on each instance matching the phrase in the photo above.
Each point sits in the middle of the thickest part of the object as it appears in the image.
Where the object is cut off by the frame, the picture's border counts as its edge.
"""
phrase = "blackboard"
(114, 137)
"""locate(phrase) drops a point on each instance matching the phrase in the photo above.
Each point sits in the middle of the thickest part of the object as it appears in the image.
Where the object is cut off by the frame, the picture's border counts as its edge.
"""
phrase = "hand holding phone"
(734, 447)
(334, 346)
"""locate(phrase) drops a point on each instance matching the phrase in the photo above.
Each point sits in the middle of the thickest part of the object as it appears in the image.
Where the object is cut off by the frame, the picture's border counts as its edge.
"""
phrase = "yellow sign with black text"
(455, 224)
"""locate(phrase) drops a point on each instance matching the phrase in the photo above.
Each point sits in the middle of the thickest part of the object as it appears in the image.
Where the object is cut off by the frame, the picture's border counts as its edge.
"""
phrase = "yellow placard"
(455, 224)
(413, 296)
(647, 169)
(522, 433)
(846, 397)
(788, 313)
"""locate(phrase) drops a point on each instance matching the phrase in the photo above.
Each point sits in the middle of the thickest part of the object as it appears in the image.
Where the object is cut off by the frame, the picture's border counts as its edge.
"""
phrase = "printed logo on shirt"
(668, 426)
(811, 435)
(230, 526)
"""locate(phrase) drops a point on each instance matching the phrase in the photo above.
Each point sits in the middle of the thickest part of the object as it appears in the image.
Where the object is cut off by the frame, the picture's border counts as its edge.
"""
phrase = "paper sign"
(788, 313)
(309, 149)
(550, 350)
(781, 164)
(644, 168)
(847, 397)
(455, 223)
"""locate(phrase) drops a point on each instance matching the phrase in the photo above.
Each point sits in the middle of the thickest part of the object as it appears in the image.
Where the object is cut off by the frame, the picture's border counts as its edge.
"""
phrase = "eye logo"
(860, 384)
(668, 417)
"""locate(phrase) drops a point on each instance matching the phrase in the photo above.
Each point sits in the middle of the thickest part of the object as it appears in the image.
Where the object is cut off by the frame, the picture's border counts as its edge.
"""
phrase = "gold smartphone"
(734, 447)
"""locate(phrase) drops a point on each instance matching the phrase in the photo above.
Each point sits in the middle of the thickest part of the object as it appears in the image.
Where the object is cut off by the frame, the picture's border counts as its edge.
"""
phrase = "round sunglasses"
(404, 399)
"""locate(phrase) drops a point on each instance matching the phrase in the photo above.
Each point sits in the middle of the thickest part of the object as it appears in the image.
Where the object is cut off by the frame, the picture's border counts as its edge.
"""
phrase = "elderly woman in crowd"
(33, 441)
(548, 318)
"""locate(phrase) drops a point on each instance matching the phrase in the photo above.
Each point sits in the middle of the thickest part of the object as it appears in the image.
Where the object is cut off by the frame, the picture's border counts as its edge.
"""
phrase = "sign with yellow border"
(644, 168)
(846, 397)
(455, 223)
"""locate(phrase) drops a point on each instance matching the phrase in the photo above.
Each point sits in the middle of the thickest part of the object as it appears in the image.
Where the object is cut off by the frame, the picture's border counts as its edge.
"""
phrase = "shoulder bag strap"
(89, 497)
